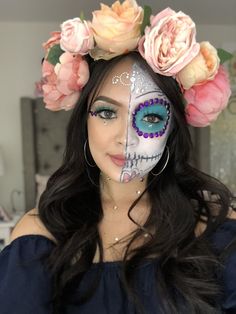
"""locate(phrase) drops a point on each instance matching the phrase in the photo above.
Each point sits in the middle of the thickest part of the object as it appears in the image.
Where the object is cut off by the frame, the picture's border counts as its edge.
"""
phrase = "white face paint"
(148, 125)
(129, 123)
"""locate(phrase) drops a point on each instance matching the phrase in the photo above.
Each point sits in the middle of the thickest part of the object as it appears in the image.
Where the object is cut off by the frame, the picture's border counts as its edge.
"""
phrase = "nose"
(127, 136)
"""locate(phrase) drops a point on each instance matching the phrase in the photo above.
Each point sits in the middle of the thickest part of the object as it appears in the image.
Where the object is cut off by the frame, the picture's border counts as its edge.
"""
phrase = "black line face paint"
(129, 123)
(149, 122)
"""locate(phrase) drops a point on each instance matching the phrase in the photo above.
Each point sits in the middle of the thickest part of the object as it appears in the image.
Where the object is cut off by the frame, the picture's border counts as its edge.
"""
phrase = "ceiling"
(201, 11)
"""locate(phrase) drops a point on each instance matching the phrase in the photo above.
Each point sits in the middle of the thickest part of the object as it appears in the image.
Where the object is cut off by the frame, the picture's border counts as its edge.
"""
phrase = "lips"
(119, 160)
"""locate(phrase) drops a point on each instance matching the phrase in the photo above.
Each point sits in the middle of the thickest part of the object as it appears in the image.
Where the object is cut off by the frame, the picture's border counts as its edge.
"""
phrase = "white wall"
(20, 57)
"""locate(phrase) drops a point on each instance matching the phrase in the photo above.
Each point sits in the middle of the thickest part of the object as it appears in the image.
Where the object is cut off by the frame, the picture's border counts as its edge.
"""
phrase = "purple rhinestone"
(151, 102)
(146, 103)
(151, 135)
(156, 100)
(145, 135)
(157, 134)
(140, 133)
(161, 101)
(141, 105)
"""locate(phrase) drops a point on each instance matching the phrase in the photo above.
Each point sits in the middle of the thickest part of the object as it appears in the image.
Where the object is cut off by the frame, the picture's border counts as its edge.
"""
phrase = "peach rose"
(64, 82)
(202, 68)
(117, 29)
(169, 43)
(76, 36)
(205, 102)
(53, 40)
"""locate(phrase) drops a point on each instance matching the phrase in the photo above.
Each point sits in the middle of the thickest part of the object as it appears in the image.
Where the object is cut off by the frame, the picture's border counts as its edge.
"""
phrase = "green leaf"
(146, 18)
(82, 15)
(54, 54)
(224, 55)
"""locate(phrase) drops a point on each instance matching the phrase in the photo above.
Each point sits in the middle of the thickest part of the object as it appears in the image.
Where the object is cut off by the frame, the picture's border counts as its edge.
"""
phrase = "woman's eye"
(106, 114)
(151, 118)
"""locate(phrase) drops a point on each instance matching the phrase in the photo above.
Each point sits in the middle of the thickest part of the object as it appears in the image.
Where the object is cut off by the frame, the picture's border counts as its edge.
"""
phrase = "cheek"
(99, 135)
(152, 146)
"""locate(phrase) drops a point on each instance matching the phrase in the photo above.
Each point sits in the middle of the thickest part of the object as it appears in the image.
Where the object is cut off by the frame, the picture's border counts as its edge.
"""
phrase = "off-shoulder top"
(26, 284)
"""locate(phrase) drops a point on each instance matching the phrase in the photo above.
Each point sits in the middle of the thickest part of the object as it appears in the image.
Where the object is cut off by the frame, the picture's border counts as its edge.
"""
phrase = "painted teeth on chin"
(136, 158)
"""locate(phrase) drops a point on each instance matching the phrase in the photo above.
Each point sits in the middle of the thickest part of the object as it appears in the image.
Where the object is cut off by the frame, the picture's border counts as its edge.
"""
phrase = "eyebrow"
(153, 91)
(108, 99)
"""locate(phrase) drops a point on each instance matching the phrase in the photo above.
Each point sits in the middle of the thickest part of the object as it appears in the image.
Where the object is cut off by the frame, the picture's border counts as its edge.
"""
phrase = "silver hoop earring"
(167, 159)
(85, 157)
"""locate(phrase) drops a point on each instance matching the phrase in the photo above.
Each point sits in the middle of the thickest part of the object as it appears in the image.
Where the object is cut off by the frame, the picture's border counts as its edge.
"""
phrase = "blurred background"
(26, 24)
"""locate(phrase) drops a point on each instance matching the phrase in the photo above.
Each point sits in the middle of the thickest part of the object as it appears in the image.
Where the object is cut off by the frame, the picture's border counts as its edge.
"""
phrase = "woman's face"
(129, 123)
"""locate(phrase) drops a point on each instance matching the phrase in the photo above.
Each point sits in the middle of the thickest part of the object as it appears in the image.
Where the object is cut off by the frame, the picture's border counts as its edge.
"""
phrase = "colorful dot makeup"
(134, 117)
(150, 118)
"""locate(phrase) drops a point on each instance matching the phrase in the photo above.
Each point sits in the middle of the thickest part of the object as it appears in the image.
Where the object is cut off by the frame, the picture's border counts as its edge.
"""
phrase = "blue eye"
(151, 119)
(104, 113)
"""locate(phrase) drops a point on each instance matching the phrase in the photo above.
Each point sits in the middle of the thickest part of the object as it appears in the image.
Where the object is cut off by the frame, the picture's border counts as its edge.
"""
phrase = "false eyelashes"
(149, 119)
(104, 112)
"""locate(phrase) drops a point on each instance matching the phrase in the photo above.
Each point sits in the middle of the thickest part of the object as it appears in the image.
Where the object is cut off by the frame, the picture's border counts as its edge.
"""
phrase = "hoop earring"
(85, 157)
(167, 159)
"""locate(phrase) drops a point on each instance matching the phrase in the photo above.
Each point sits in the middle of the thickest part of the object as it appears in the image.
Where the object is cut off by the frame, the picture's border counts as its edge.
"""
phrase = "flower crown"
(167, 41)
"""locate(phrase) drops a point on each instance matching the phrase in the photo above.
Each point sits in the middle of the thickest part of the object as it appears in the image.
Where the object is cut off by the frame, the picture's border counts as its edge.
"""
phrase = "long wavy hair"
(71, 209)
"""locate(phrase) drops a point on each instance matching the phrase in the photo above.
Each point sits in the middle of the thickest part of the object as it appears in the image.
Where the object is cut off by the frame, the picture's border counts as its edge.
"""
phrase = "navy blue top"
(25, 285)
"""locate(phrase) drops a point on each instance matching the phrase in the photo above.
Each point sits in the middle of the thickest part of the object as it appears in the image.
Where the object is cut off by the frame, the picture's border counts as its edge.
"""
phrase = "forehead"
(126, 80)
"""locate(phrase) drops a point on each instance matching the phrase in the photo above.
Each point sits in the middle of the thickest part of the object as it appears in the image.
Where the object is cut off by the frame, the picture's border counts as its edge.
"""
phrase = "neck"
(122, 194)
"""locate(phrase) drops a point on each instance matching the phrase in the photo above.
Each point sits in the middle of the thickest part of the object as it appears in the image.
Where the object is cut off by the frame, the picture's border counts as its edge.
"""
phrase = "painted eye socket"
(104, 113)
(150, 119)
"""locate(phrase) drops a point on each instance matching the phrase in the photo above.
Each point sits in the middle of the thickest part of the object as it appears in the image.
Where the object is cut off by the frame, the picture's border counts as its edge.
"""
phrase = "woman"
(126, 224)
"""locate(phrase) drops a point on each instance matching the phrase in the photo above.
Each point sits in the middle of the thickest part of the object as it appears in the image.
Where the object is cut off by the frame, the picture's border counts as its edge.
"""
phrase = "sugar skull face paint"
(128, 124)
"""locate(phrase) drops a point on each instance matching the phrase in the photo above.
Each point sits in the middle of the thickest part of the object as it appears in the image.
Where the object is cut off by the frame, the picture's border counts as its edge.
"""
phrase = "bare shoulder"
(30, 224)
(201, 226)
(232, 214)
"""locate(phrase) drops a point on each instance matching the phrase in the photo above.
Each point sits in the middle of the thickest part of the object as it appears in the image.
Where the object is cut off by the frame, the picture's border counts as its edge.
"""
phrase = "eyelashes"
(149, 119)
(152, 118)
(104, 112)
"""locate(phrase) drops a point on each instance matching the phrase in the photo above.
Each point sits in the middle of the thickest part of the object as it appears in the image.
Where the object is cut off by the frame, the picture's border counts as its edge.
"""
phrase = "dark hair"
(178, 203)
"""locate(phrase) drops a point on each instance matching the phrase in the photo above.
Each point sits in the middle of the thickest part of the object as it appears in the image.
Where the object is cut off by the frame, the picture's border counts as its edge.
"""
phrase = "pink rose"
(76, 36)
(202, 68)
(169, 43)
(205, 102)
(53, 40)
(64, 82)
(38, 91)
(116, 30)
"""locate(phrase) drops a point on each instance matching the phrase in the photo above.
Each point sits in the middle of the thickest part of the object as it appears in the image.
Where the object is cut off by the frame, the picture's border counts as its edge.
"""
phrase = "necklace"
(116, 209)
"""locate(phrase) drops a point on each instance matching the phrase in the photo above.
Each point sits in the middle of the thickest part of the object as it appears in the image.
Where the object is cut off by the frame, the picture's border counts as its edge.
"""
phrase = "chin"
(111, 176)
